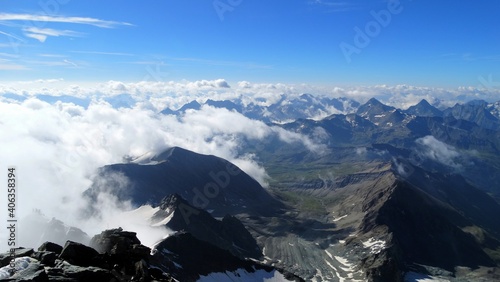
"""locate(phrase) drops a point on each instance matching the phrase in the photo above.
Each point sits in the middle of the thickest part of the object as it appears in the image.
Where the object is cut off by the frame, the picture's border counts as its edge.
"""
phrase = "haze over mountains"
(329, 189)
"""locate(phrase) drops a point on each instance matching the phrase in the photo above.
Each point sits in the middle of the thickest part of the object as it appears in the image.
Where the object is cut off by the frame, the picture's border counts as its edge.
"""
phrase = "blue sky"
(420, 42)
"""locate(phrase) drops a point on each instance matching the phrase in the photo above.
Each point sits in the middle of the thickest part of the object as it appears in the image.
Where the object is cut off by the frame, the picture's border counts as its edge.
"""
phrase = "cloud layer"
(439, 151)
(174, 94)
(57, 147)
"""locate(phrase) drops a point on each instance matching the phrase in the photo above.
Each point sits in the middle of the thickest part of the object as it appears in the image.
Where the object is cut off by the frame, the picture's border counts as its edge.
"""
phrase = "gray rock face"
(188, 258)
(78, 254)
(116, 242)
(123, 258)
(476, 112)
(229, 234)
(50, 247)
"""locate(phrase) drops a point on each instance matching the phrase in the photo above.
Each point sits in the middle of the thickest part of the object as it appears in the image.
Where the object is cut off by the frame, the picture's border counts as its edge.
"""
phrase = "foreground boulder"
(78, 254)
(118, 255)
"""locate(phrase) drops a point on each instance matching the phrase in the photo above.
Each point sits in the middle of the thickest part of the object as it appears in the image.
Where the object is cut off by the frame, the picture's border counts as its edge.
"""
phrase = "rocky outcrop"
(121, 257)
(117, 255)
(228, 234)
(188, 258)
(428, 219)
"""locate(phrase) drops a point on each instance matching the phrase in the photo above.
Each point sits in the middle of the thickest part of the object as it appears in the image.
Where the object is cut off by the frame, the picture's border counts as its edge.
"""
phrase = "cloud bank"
(174, 94)
(56, 148)
(439, 151)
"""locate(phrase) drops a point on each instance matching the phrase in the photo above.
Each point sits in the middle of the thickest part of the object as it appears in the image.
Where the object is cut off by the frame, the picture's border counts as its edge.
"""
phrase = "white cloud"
(219, 83)
(439, 151)
(174, 94)
(57, 147)
(39, 37)
(60, 19)
(41, 34)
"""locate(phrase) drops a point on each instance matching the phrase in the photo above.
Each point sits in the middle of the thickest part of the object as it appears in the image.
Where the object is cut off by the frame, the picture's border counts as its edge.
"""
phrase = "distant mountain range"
(308, 106)
(285, 109)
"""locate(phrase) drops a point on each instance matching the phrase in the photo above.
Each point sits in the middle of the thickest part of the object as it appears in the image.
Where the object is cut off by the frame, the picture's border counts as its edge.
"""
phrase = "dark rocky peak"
(50, 247)
(172, 202)
(373, 102)
(120, 243)
(205, 181)
(229, 234)
(226, 104)
(474, 111)
(78, 254)
(188, 259)
(39, 228)
(193, 105)
(168, 111)
(423, 108)
(430, 219)
(178, 154)
(373, 107)
(307, 97)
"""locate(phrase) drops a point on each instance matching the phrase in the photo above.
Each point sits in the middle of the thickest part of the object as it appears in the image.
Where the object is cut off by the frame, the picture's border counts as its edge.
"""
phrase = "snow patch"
(243, 275)
(19, 264)
(144, 212)
(376, 246)
(146, 159)
(347, 267)
(339, 218)
(418, 277)
(164, 221)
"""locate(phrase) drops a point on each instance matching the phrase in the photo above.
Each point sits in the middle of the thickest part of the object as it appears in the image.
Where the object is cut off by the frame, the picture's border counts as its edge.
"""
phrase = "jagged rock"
(46, 258)
(187, 258)
(229, 234)
(78, 254)
(114, 241)
(67, 272)
(140, 251)
(51, 230)
(122, 245)
(141, 270)
(51, 247)
(157, 274)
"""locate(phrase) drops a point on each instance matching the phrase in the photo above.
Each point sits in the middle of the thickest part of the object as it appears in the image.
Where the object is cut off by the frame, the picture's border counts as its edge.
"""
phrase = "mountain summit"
(424, 109)
(205, 181)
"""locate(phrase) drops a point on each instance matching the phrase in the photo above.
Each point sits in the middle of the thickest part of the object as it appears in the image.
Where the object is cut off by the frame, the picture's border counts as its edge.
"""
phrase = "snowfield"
(243, 275)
